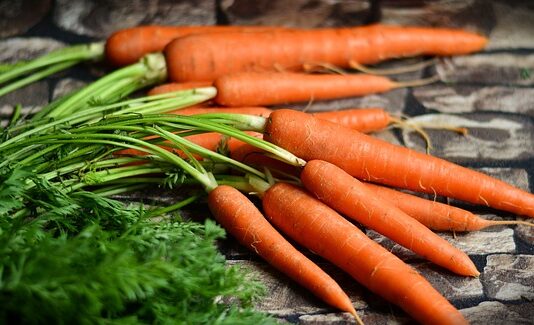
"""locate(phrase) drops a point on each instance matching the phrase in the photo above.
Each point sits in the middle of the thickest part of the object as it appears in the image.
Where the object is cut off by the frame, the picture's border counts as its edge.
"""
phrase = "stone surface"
(17, 17)
(101, 18)
(455, 13)
(496, 240)
(508, 277)
(16, 49)
(514, 26)
(464, 99)
(452, 287)
(66, 86)
(286, 298)
(296, 13)
(515, 137)
(493, 312)
(488, 69)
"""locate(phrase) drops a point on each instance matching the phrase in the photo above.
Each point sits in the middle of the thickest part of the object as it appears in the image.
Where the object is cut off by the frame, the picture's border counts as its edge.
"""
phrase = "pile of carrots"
(258, 66)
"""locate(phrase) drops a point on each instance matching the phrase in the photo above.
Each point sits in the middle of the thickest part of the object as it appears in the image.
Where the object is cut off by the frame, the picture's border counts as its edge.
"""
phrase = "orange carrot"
(128, 45)
(273, 88)
(378, 161)
(240, 217)
(205, 57)
(436, 215)
(350, 197)
(320, 229)
(176, 86)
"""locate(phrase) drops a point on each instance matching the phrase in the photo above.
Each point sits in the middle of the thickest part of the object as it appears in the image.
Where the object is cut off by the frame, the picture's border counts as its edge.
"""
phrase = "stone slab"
(509, 278)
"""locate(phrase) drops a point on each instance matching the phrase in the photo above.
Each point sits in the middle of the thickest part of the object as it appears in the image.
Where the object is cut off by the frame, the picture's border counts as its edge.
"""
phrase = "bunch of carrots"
(337, 166)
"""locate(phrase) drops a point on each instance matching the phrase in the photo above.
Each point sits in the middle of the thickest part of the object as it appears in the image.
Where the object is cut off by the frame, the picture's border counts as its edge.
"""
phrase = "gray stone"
(462, 99)
(296, 13)
(488, 69)
(100, 19)
(16, 17)
(496, 313)
(285, 297)
(442, 13)
(490, 137)
(513, 28)
(495, 240)
(330, 319)
(451, 286)
(16, 49)
(66, 86)
(31, 98)
(509, 278)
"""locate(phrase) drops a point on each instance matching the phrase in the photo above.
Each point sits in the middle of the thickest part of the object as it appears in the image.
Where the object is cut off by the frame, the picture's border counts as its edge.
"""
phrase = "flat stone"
(297, 13)
(495, 240)
(66, 86)
(488, 69)
(285, 297)
(509, 278)
(463, 99)
(16, 17)
(491, 137)
(498, 313)
(330, 319)
(442, 13)
(16, 49)
(513, 28)
(451, 286)
(31, 98)
(100, 19)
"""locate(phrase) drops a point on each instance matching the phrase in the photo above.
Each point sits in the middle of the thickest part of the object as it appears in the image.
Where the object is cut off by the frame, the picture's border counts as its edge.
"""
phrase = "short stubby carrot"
(378, 161)
(275, 88)
(436, 215)
(352, 198)
(128, 45)
(317, 227)
(205, 57)
(240, 217)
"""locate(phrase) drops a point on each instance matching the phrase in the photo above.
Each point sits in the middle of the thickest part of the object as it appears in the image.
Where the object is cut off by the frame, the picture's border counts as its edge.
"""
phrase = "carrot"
(240, 217)
(375, 160)
(176, 86)
(128, 45)
(320, 229)
(273, 88)
(436, 215)
(205, 57)
(350, 197)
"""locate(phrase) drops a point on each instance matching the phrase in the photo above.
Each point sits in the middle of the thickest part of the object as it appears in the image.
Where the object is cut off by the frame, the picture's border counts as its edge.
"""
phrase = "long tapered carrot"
(352, 198)
(126, 46)
(274, 88)
(374, 160)
(436, 215)
(240, 217)
(320, 229)
(205, 57)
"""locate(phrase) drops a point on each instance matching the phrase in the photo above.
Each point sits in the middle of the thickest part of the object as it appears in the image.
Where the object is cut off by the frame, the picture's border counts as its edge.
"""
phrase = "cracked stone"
(491, 136)
(462, 99)
(66, 86)
(441, 13)
(513, 28)
(297, 13)
(499, 313)
(17, 17)
(16, 49)
(101, 18)
(508, 277)
(285, 297)
(496, 240)
(488, 69)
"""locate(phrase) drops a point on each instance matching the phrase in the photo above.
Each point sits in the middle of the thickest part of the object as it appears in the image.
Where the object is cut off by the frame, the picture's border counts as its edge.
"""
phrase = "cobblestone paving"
(490, 93)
